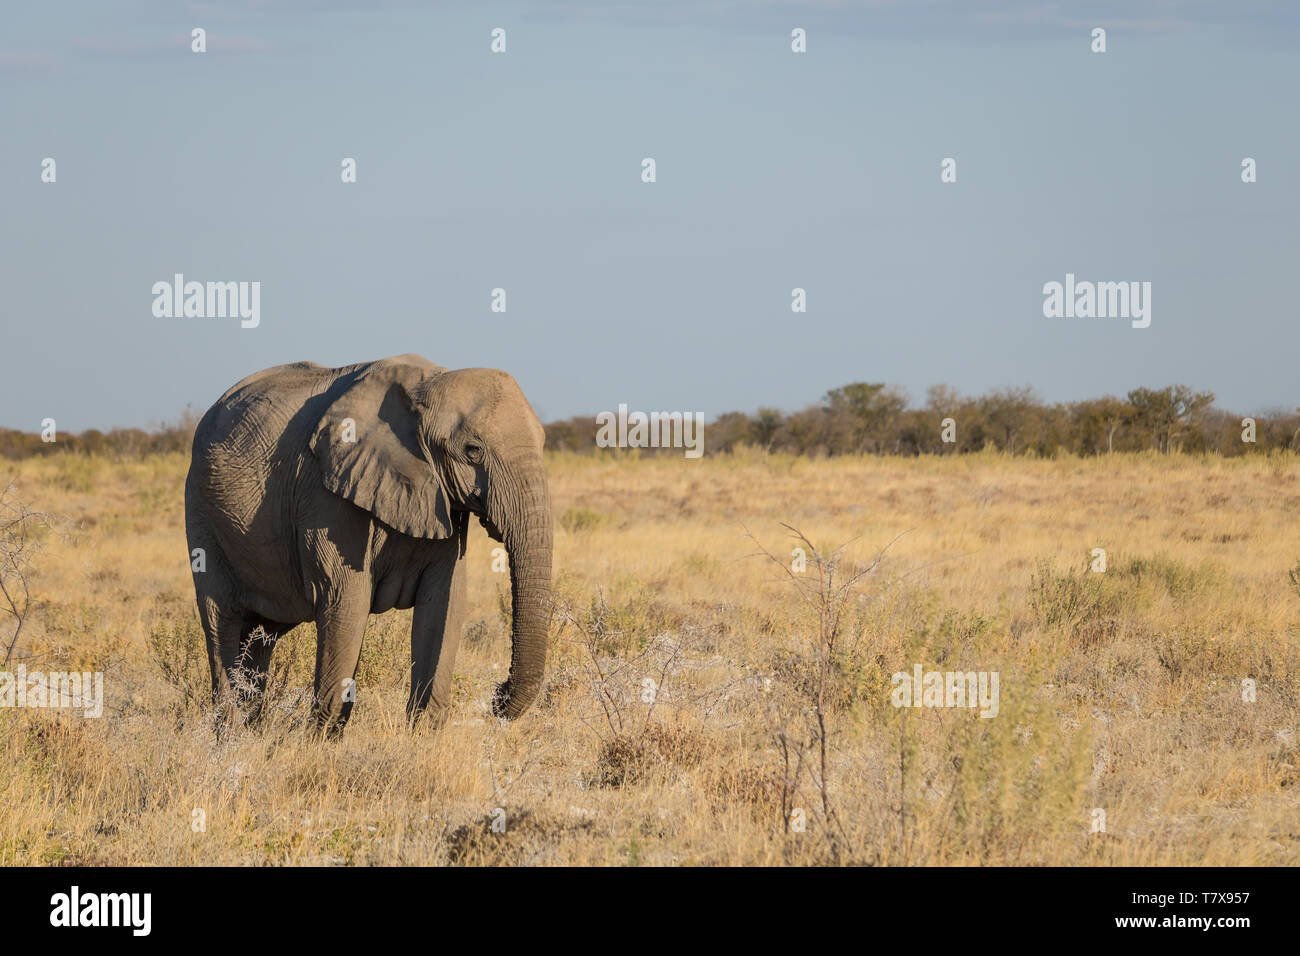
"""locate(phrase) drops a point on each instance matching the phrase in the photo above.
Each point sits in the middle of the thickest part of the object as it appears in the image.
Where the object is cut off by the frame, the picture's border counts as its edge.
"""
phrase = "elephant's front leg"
(435, 636)
(340, 627)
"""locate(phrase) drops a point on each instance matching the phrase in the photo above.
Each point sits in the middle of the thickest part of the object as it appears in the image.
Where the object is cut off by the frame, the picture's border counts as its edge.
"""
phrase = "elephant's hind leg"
(339, 632)
(258, 638)
(222, 629)
(239, 656)
(215, 591)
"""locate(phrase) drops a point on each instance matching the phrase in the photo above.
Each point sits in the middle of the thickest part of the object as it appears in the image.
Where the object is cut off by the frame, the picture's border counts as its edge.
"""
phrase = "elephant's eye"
(474, 452)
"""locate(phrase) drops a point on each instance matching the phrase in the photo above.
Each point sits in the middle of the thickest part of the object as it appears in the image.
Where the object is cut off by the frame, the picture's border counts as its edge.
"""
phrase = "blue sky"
(522, 171)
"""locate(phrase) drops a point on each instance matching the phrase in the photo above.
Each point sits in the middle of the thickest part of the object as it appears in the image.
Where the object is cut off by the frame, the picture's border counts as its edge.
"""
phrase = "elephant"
(330, 494)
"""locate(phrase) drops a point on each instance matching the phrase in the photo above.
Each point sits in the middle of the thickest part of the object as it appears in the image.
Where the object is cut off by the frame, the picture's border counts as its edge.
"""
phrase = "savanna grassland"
(696, 701)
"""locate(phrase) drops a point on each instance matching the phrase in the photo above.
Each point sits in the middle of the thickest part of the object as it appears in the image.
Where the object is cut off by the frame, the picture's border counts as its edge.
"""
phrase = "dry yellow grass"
(1120, 691)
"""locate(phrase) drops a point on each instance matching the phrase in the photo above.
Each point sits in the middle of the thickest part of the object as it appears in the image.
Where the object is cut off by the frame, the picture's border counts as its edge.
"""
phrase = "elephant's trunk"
(526, 531)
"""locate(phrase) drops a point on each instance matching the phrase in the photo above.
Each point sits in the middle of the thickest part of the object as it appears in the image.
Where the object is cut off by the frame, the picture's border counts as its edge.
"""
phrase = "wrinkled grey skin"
(299, 524)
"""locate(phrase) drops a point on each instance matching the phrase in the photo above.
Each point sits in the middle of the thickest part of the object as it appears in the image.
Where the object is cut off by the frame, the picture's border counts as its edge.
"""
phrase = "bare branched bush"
(22, 531)
(629, 692)
(177, 648)
(802, 737)
(279, 696)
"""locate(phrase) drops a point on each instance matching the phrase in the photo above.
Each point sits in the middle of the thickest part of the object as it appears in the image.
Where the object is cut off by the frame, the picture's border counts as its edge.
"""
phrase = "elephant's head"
(430, 447)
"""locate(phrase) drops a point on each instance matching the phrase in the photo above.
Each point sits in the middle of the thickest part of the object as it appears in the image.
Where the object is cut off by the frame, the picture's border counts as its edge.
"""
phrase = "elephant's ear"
(370, 451)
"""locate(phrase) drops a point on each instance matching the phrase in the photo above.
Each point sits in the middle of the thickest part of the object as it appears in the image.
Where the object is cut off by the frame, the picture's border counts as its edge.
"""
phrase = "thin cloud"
(22, 61)
(937, 16)
(143, 48)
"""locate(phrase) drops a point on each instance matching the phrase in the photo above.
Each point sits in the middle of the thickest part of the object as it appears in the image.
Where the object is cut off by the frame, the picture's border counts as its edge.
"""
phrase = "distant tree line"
(116, 443)
(867, 418)
(873, 418)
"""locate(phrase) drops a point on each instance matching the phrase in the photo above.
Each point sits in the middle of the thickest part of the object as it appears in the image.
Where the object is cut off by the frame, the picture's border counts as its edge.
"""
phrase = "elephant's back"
(249, 445)
(283, 379)
(255, 410)
(300, 380)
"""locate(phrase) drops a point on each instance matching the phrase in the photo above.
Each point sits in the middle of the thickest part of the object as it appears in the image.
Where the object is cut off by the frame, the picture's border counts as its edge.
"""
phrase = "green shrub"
(579, 519)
